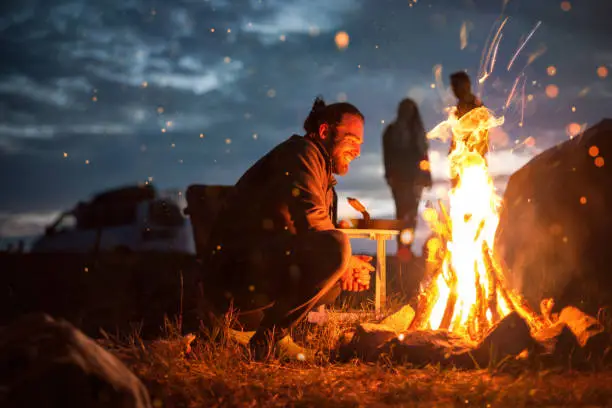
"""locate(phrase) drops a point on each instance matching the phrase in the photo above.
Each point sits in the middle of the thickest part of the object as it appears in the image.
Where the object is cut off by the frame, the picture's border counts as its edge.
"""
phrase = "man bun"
(321, 113)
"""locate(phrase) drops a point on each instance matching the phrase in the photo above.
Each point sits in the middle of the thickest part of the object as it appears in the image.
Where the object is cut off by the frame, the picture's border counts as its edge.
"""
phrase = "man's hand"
(357, 276)
(344, 224)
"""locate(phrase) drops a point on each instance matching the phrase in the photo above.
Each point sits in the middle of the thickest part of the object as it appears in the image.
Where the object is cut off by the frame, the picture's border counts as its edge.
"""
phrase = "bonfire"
(465, 290)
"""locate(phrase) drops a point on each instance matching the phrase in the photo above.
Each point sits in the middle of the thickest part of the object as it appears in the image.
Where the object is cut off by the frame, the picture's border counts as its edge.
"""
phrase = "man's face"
(345, 142)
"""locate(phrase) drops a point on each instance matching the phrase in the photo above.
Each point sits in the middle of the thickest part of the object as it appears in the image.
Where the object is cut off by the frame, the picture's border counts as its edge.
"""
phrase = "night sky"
(100, 94)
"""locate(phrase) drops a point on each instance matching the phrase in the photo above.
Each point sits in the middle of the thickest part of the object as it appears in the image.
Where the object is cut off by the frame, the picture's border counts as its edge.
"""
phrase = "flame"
(467, 293)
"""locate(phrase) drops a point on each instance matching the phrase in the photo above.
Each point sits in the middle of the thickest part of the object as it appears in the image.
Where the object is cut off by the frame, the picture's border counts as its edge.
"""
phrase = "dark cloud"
(130, 86)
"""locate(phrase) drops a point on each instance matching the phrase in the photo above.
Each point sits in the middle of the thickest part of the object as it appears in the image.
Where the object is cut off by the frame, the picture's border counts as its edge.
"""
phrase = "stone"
(400, 320)
(555, 223)
(50, 363)
(423, 347)
(365, 342)
(589, 332)
(508, 338)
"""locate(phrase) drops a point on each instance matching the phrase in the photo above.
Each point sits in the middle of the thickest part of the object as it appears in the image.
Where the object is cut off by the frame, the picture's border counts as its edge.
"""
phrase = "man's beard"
(340, 167)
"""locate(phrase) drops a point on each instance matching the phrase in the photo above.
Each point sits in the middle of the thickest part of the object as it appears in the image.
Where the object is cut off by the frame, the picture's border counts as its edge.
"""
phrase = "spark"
(535, 55)
(520, 48)
(342, 40)
(463, 33)
(602, 71)
(487, 54)
(512, 91)
(552, 91)
(523, 101)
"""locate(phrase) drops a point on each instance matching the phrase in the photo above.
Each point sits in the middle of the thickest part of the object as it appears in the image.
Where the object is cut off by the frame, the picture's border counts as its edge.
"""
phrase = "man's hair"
(331, 114)
(459, 77)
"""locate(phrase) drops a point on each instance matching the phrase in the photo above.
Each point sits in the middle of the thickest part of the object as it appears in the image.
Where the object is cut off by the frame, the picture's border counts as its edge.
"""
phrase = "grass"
(217, 371)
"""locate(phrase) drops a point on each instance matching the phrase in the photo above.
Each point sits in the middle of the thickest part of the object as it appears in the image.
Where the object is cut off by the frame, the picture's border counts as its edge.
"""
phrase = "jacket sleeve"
(306, 188)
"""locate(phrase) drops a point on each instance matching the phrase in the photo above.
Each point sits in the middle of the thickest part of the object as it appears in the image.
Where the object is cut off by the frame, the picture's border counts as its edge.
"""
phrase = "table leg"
(381, 275)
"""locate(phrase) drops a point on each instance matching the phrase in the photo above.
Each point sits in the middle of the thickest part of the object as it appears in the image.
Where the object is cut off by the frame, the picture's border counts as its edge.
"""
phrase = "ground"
(217, 371)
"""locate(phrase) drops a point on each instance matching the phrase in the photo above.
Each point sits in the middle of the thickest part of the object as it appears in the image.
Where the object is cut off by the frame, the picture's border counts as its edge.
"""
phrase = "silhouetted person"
(405, 153)
(274, 245)
(476, 141)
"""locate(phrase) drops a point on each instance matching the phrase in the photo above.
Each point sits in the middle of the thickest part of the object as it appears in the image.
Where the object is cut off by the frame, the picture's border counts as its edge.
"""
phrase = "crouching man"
(274, 247)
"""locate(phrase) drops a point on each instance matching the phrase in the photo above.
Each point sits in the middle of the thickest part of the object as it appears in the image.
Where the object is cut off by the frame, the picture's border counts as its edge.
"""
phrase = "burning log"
(507, 338)
(589, 332)
(513, 302)
(481, 305)
(451, 300)
(426, 302)
(492, 279)
(428, 297)
(546, 306)
(499, 281)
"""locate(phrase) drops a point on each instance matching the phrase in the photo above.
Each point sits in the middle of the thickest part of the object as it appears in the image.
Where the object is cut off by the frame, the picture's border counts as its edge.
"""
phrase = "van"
(131, 219)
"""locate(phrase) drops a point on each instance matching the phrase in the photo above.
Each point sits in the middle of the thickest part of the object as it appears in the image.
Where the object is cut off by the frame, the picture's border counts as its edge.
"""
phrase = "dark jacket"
(403, 160)
(463, 108)
(287, 192)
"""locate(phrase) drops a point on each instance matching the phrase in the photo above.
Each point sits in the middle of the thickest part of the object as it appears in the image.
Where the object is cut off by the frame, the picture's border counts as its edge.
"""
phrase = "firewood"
(546, 306)
(481, 304)
(451, 300)
(514, 302)
(492, 287)
(587, 329)
(426, 302)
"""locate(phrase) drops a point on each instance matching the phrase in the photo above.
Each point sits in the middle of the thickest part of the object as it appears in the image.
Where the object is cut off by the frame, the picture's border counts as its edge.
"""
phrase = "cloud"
(59, 94)
(50, 131)
(159, 77)
(298, 17)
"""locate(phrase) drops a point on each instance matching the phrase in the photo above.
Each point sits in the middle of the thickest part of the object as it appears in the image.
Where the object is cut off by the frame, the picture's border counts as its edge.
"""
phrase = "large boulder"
(556, 222)
(49, 363)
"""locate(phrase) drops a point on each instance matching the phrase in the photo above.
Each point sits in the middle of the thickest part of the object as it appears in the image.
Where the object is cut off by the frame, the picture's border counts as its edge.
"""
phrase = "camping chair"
(203, 205)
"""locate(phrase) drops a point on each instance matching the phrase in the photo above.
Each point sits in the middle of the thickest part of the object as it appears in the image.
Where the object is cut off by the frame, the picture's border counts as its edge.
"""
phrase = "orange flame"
(469, 293)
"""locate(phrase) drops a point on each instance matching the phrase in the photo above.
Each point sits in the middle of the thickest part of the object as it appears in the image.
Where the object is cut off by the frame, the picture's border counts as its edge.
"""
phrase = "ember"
(465, 288)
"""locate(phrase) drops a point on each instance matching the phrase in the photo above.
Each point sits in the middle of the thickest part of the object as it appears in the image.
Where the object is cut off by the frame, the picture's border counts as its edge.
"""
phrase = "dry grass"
(218, 371)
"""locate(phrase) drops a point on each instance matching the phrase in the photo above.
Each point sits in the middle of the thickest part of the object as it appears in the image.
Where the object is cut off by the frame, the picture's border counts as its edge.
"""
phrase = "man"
(406, 159)
(274, 246)
(471, 129)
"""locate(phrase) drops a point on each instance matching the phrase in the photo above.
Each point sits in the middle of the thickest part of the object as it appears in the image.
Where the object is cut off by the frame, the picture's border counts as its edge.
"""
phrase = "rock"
(589, 332)
(508, 338)
(424, 347)
(556, 223)
(556, 340)
(400, 320)
(49, 363)
(365, 342)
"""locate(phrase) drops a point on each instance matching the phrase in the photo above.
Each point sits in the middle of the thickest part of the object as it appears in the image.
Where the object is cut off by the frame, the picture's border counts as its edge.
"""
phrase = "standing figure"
(472, 128)
(467, 102)
(405, 153)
